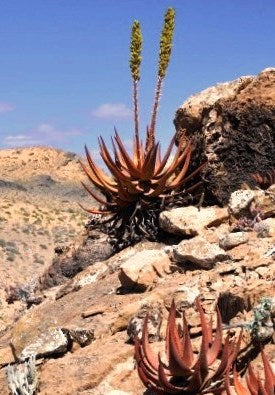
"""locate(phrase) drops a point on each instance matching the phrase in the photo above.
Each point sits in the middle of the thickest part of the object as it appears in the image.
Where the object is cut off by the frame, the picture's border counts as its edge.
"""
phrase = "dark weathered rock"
(234, 129)
(230, 304)
(93, 248)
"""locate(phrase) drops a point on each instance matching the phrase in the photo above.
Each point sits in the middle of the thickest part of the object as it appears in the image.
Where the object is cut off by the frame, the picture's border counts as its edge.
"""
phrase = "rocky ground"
(82, 330)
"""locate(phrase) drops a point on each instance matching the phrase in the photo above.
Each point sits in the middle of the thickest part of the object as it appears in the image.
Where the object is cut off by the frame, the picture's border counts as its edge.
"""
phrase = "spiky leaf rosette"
(138, 187)
(183, 372)
(254, 385)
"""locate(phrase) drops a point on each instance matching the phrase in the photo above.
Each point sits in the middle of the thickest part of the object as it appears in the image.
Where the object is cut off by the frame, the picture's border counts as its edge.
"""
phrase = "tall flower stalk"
(135, 61)
(165, 49)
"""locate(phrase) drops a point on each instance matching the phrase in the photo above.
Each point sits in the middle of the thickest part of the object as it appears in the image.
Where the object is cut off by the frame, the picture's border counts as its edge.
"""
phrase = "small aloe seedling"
(183, 372)
(254, 385)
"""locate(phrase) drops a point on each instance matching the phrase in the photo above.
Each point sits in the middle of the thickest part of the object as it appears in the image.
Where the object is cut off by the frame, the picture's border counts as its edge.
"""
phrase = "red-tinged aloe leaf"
(172, 331)
(124, 194)
(166, 157)
(94, 211)
(132, 187)
(98, 172)
(92, 177)
(118, 173)
(177, 161)
(161, 182)
(133, 170)
(240, 389)
(225, 363)
(158, 160)
(142, 153)
(252, 381)
(202, 363)
(179, 178)
(149, 355)
(137, 152)
(138, 353)
(142, 361)
(147, 382)
(163, 380)
(196, 380)
(149, 373)
(118, 160)
(95, 196)
(269, 375)
(216, 346)
(173, 345)
(188, 353)
(160, 186)
(206, 335)
(227, 383)
(98, 177)
(194, 173)
(149, 164)
(262, 390)
(236, 348)
(177, 366)
(150, 139)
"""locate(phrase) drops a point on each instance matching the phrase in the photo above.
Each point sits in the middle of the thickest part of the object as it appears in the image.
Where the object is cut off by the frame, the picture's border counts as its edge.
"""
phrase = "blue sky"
(65, 78)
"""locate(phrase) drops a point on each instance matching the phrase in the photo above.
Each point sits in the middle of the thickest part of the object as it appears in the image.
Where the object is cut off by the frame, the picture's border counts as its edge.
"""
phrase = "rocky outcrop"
(83, 329)
(233, 125)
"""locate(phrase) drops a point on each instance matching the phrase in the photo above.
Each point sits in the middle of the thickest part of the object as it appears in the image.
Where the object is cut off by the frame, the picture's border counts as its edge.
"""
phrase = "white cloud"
(47, 131)
(43, 134)
(111, 111)
(20, 140)
(6, 107)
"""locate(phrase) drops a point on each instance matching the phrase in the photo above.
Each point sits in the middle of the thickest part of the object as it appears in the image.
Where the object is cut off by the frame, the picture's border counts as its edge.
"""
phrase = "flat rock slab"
(142, 270)
(199, 252)
(190, 221)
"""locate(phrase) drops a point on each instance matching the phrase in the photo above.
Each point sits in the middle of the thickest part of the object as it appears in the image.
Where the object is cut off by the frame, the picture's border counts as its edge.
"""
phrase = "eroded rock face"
(234, 127)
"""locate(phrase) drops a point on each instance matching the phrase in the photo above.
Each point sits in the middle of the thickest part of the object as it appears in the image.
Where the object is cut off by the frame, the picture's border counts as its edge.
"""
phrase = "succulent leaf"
(185, 374)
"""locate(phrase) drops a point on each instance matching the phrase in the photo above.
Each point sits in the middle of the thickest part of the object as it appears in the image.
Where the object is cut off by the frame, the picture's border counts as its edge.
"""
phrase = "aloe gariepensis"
(145, 179)
(253, 384)
(181, 371)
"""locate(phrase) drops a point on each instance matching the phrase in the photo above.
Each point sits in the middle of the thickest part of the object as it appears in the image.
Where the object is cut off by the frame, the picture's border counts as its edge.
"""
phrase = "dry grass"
(40, 190)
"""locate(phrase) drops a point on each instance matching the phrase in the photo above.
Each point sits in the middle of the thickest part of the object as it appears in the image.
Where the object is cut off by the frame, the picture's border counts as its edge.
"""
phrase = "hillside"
(39, 194)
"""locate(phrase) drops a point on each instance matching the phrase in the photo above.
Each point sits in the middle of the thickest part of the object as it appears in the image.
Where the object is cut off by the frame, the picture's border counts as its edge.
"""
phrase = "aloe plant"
(182, 372)
(138, 187)
(253, 384)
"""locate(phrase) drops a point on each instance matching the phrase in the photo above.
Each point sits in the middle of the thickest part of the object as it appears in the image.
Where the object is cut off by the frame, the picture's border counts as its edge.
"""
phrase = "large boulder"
(233, 125)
